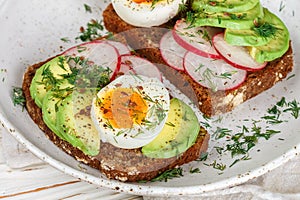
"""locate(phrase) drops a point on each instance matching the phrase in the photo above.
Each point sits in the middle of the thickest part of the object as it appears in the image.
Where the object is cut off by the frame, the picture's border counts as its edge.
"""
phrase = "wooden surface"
(44, 182)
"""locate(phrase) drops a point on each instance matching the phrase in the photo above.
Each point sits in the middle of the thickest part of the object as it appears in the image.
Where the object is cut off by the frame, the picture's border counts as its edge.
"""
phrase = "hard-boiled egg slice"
(131, 111)
(146, 13)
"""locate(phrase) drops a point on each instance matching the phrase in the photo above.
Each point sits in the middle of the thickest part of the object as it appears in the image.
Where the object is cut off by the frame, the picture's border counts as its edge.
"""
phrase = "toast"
(116, 163)
(210, 102)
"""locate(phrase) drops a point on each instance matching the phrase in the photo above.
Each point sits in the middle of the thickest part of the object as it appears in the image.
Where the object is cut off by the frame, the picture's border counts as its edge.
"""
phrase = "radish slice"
(122, 48)
(196, 39)
(139, 66)
(213, 74)
(172, 52)
(237, 56)
(125, 69)
(99, 53)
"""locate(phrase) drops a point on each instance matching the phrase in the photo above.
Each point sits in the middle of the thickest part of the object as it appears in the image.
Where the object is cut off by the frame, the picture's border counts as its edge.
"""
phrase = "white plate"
(31, 32)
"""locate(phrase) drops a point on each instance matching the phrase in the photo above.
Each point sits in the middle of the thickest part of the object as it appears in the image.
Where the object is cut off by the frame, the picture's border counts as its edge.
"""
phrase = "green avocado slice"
(49, 76)
(178, 134)
(224, 6)
(245, 37)
(235, 20)
(75, 124)
(278, 44)
(51, 103)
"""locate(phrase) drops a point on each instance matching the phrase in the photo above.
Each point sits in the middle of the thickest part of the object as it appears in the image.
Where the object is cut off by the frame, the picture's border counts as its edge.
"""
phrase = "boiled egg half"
(146, 13)
(130, 111)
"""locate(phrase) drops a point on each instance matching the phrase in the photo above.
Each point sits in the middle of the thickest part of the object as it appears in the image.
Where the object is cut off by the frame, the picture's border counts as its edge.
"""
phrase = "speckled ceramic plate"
(31, 31)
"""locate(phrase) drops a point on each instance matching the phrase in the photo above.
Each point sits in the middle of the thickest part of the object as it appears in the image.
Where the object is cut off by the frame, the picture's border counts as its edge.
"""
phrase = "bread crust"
(116, 163)
(210, 103)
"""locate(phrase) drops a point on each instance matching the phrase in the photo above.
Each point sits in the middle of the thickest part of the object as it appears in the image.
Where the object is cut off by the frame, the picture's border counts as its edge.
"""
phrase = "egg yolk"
(123, 107)
(142, 1)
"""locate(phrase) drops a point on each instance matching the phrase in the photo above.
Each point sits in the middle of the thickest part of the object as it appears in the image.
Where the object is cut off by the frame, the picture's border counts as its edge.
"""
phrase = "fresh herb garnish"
(291, 76)
(190, 18)
(221, 132)
(265, 30)
(271, 119)
(65, 39)
(18, 97)
(281, 6)
(87, 8)
(237, 17)
(240, 143)
(246, 157)
(195, 170)
(169, 174)
(203, 156)
(293, 108)
(93, 31)
(49, 80)
(218, 166)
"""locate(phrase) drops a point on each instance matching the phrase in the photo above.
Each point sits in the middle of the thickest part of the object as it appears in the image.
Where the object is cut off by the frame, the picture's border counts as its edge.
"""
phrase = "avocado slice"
(51, 103)
(278, 44)
(178, 134)
(234, 20)
(74, 123)
(245, 37)
(224, 6)
(49, 76)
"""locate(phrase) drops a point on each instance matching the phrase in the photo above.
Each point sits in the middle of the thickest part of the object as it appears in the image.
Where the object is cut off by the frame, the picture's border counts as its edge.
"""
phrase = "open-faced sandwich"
(228, 51)
(110, 110)
(135, 118)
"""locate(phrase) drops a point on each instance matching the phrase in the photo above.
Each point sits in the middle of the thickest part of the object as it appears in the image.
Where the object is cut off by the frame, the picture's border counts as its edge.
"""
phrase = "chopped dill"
(87, 8)
(92, 31)
(195, 170)
(218, 166)
(18, 97)
(169, 174)
(265, 30)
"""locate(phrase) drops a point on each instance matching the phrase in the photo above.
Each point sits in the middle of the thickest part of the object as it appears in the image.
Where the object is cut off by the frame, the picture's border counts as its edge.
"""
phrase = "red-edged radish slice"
(213, 74)
(122, 48)
(125, 69)
(196, 39)
(99, 53)
(237, 56)
(135, 65)
(171, 51)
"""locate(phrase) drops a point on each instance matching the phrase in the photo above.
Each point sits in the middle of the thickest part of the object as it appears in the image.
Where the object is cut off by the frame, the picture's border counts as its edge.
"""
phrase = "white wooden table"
(42, 181)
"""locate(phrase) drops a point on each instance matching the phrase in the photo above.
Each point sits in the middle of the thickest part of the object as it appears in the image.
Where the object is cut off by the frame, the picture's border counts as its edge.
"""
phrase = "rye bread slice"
(210, 103)
(115, 163)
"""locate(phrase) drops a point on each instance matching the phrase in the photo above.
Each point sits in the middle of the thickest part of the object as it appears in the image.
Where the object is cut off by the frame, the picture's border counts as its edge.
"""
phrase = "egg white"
(138, 135)
(145, 15)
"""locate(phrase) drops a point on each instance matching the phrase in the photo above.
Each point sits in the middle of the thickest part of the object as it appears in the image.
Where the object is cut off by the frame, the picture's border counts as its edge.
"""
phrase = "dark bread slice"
(210, 103)
(115, 163)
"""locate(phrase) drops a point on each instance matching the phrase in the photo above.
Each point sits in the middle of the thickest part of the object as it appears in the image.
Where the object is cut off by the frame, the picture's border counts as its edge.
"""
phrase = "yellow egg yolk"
(123, 107)
(142, 1)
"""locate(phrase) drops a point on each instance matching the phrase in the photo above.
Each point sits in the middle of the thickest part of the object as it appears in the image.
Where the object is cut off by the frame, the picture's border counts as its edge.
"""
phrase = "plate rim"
(143, 189)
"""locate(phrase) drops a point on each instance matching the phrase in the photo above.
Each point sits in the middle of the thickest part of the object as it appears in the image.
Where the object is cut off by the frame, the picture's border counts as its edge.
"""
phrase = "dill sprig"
(169, 174)
(294, 108)
(195, 170)
(218, 166)
(18, 97)
(265, 30)
(92, 31)
(87, 8)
